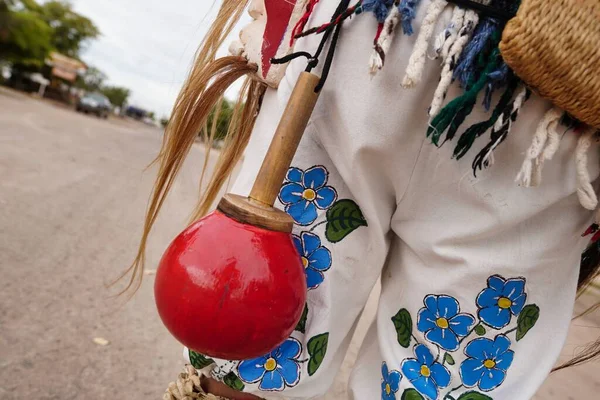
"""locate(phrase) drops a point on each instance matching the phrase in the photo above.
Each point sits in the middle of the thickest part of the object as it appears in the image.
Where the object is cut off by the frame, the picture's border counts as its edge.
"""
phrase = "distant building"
(63, 72)
(63, 68)
(55, 80)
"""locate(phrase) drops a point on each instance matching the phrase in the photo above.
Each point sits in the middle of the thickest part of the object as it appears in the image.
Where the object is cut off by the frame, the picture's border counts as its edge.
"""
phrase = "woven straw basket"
(554, 46)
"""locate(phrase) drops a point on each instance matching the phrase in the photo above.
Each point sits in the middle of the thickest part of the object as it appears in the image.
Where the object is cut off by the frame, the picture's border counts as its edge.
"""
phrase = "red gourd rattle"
(232, 285)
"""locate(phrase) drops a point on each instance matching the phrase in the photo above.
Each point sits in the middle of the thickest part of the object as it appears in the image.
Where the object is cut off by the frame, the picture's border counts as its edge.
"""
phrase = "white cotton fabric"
(433, 228)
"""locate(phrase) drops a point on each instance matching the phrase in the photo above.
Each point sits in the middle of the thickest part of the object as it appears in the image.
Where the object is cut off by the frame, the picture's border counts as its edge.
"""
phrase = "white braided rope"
(448, 36)
(414, 71)
(543, 147)
(553, 136)
(516, 107)
(385, 39)
(585, 191)
(471, 19)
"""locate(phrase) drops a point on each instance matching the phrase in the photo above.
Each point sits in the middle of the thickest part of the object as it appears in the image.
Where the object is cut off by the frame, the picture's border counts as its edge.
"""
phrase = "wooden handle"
(285, 142)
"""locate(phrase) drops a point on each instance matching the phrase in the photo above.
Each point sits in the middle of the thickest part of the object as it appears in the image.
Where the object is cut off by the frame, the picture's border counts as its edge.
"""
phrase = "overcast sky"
(147, 45)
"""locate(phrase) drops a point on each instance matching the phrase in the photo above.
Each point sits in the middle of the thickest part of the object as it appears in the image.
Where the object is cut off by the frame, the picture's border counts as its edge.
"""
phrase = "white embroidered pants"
(478, 274)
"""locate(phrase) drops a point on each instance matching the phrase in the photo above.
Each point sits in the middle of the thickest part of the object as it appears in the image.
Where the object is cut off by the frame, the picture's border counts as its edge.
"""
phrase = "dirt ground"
(72, 196)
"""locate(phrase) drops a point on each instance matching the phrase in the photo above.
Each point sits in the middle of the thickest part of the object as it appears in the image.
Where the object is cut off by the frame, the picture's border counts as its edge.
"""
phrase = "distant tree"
(151, 115)
(25, 38)
(6, 4)
(164, 121)
(223, 120)
(92, 80)
(117, 95)
(29, 31)
(70, 30)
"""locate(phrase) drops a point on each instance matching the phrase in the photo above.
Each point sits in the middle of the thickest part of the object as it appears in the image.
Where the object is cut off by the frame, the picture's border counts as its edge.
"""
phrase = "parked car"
(94, 103)
(136, 113)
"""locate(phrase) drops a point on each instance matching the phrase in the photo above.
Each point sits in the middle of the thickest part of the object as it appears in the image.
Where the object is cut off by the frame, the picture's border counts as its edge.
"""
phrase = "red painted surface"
(278, 18)
(230, 290)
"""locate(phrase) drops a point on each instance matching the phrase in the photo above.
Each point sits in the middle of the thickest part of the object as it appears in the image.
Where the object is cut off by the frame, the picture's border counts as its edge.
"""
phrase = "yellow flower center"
(309, 194)
(271, 364)
(425, 371)
(388, 389)
(304, 262)
(489, 364)
(442, 323)
(504, 302)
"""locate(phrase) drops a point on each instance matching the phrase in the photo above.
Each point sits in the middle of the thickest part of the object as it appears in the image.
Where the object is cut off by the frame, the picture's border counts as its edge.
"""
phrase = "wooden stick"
(285, 142)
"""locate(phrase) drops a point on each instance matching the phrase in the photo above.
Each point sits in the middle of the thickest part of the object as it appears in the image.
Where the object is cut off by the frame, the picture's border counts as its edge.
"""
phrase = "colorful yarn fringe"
(301, 24)
(481, 40)
(467, 139)
(354, 10)
(454, 114)
(469, 51)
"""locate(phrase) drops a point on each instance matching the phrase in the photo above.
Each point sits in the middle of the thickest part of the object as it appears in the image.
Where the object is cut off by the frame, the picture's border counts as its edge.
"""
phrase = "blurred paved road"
(72, 197)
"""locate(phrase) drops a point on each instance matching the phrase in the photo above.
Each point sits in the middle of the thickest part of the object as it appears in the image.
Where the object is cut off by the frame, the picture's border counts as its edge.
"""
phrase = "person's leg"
(477, 267)
(341, 231)
(478, 292)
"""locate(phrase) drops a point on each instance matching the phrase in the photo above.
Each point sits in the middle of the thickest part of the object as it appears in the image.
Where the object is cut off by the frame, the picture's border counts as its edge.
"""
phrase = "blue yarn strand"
(496, 79)
(408, 11)
(466, 64)
(381, 8)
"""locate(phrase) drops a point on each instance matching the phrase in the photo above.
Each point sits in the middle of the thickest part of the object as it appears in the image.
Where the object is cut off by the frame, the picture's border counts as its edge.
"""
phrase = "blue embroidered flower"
(442, 323)
(487, 363)
(304, 192)
(275, 370)
(315, 258)
(390, 383)
(500, 299)
(424, 373)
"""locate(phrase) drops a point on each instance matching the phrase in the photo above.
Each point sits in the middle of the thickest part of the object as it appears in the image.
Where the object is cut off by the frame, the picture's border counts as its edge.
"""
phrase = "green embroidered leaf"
(317, 348)
(480, 330)
(527, 319)
(474, 396)
(199, 361)
(343, 218)
(232, 380)
(403, 324)
(411, 394)
(301, 327)
(449, 359)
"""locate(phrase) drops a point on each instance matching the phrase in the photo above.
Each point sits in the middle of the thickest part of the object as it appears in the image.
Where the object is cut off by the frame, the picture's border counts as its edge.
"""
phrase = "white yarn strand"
(543, 146)
(439, 42)
(536, 172)
(471, 19)
(585, 191)
(414, 71)
(385, 39)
